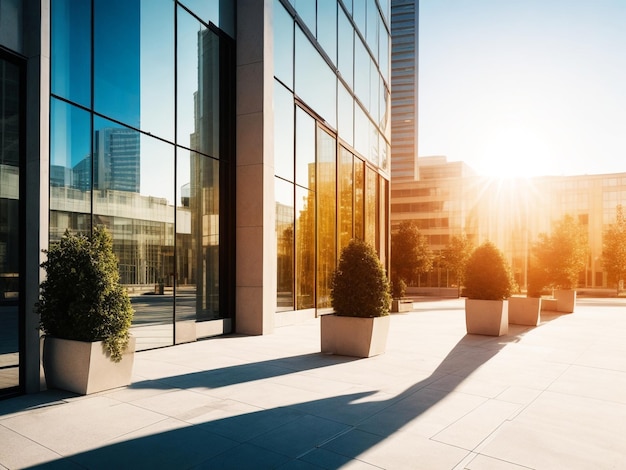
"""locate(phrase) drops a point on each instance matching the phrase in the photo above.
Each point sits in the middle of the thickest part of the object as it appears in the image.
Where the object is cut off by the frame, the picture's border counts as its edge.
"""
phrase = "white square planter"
(565, 300)
(83, 367)
(525, 311)
(354, 336)
(486, 317)
(401, 305)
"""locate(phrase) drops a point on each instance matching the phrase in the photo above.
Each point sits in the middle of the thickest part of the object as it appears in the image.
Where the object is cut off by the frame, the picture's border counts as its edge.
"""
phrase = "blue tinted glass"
(117, 60)
(374, 88)
(372, 27)
(315, 81)
(327, 27)
(283, 132)
(71, 50)
(358, 15)
(306, 11)
(283, 45)
(383, 53)
(361, 72)
(346, 48)
(70, 146)
(345, 115)
(198, 86)
(361, 131)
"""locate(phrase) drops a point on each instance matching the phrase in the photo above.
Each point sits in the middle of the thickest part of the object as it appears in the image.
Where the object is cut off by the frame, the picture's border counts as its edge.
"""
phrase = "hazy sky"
(524, 87)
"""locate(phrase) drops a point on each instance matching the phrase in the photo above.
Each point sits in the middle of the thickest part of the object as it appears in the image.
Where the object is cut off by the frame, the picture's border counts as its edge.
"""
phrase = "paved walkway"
(550, 397)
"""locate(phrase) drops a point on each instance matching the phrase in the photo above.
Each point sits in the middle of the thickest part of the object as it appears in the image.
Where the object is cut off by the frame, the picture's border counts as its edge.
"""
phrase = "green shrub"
(81, 298)
(360, 287)
(487, 274)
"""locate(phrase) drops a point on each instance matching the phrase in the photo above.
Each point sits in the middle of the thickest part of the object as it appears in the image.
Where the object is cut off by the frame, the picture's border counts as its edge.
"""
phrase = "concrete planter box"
(401, 305)
(565, 300)
(548, 305)
(486, 317)
(83, 367)
(524, 311)
(354, 336)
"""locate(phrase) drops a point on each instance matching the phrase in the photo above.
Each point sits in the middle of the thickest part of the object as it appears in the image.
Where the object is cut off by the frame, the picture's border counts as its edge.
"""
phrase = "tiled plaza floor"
(549, 397)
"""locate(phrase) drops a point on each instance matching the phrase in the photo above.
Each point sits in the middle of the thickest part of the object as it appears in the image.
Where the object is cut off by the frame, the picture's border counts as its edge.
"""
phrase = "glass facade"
(331, 138)
(141, 141)
(11, 150)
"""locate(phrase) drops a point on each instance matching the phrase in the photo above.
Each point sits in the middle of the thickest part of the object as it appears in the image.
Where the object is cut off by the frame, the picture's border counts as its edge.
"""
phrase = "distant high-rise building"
(404, 86)
(116, 162)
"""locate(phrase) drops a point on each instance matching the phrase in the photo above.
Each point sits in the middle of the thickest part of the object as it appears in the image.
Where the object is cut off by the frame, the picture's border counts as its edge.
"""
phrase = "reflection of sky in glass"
(70, 134)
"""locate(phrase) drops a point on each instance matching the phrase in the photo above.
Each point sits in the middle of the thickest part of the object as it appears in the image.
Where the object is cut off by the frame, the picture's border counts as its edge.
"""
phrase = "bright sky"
(524, 87)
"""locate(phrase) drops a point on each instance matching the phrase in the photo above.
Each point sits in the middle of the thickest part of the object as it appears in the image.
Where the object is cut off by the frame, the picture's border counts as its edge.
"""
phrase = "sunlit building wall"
(231, 147)
(404, 89)
(450, 200)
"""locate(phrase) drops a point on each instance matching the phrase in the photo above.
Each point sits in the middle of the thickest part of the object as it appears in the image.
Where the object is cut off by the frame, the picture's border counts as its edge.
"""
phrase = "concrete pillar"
(255, 223)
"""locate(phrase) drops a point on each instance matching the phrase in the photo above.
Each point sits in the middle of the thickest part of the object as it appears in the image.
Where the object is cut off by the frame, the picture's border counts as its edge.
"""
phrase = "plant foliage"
(410, 253)
(487, 274)
(562, 255)
(81, 298)
(614, 248)
(398, 288)
(360, 287)
(456, 255)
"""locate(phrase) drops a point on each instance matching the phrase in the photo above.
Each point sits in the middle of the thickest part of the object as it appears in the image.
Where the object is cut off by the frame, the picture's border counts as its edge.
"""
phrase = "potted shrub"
(85, 315)
(398, 302)
(360, 298)
(488, 282)
(562, 256)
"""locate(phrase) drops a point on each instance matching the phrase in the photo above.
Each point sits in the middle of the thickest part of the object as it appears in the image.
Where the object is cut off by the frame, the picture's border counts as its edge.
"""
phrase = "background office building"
(451, 200)
(232, 148)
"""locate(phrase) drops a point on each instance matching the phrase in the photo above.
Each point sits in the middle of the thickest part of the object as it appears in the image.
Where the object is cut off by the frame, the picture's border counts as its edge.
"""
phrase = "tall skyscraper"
(404, 87)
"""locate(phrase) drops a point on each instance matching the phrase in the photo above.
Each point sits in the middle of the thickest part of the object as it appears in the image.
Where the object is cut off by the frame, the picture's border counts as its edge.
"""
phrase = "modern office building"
(232, 148)
(451, 200)
(404, 83)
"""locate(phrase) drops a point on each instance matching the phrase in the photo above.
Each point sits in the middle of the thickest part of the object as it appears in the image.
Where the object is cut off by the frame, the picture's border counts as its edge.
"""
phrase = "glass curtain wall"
(10, 224)
(140, 143)
(331, 136)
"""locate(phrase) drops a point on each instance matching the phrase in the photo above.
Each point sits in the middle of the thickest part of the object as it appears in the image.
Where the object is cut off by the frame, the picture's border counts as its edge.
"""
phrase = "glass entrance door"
(10, 151)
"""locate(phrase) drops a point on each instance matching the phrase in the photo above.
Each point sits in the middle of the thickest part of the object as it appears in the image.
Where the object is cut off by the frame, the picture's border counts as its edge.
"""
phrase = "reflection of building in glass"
(450, 200)
(117, 160)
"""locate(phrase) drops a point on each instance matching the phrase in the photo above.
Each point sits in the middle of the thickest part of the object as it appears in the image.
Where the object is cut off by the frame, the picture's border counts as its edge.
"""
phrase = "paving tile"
(17, 451)
(482, 462)
(473, 428)
(180, 404)
(299, 436)
(245, 457)
(592, 382)
(89, 421)
(331, 460)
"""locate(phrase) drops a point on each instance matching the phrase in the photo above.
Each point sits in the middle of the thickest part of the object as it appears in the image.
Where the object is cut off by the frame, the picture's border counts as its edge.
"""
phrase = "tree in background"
(410, 254)
(455, 257)
(562, 255)
(614, 249)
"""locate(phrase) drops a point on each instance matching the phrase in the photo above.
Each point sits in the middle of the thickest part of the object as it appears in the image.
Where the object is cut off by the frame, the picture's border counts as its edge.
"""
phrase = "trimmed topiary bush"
(81, 298)
(487, 274)
(398, 288)
(360, 287)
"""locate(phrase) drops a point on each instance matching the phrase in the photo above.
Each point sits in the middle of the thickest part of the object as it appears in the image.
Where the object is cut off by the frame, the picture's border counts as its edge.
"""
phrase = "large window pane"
(283, 44)
(346, 115)
(305, 149)
(283, 132)
(284, 193)
(372, 27)
(134, 197)
(359, 199)
(327, 27)
(71, 50)
(219, 12)
(306, 11)
(326, 218)
(361, 131)
(70, 169)
(198, 220)
(305, 248)
(346, 196)
(315, 81)
(371, 207)
(346, 48)
(198, 91)
(10, 225)
(117, 70)
(362, 78)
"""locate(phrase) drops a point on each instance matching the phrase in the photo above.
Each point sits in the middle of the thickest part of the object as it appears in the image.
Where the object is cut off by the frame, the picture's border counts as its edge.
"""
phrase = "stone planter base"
(565, 300)
(354, 336)
(486, 317)
(525, 311)
(401, 305)
(83, 367)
